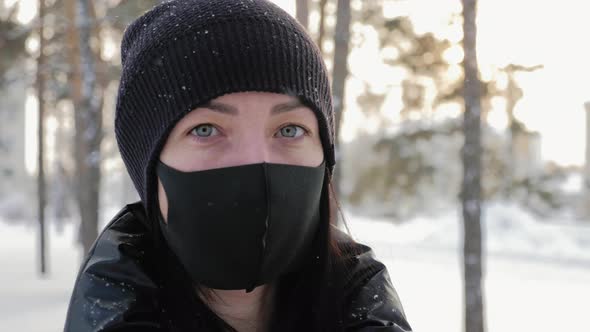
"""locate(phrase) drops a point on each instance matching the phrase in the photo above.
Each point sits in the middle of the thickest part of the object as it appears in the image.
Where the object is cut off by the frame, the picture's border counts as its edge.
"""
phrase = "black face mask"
(244, 226)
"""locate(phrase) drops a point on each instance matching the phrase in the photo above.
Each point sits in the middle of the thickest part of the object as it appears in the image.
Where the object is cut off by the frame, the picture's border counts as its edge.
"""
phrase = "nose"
(250, 148)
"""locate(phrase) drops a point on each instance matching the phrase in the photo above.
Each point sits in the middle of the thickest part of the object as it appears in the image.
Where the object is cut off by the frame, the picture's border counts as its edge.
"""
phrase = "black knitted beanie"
(183, 53)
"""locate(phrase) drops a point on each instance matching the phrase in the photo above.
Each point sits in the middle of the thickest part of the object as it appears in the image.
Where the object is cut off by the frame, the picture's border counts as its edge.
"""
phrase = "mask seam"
(266, 220)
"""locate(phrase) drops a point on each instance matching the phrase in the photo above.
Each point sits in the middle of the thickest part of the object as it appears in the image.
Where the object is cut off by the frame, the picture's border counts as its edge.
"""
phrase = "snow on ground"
(509, 230)
(29, 302)
(537, 274)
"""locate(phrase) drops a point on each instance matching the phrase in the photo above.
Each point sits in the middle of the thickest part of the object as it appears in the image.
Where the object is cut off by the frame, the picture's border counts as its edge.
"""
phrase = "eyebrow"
(228, 109)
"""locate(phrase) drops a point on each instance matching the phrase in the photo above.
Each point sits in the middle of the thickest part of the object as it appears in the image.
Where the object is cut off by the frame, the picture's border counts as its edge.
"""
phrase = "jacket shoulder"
(372, 302)
(115, 289)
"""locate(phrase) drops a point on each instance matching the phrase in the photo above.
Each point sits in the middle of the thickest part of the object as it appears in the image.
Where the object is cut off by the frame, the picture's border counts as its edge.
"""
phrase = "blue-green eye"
(292, 131)
(204, 130)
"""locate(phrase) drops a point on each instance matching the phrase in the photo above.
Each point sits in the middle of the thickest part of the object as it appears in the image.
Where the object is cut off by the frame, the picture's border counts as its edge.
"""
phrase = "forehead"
(254, 97)
(254, 104)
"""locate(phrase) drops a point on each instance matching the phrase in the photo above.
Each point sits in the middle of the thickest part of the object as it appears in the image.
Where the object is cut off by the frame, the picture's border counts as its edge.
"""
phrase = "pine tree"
(340, 73)
(88, 130)
(471, 188)
(303, 13)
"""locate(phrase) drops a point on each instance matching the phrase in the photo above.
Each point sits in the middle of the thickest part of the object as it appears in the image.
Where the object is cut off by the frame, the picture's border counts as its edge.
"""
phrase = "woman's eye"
(204, 130)
(292, 131)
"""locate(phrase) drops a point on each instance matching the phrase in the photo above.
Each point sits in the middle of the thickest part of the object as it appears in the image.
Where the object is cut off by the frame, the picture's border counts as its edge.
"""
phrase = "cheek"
(315, 153)
(318, 154)
(163, 201)
(310, 153)
(186, 156)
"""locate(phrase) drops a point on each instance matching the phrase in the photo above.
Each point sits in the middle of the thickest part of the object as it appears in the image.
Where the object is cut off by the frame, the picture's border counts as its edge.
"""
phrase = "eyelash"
(202, 138)
(306, 131)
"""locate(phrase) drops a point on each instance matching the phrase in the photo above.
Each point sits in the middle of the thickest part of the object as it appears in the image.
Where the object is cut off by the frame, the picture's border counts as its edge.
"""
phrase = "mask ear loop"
(158, 215)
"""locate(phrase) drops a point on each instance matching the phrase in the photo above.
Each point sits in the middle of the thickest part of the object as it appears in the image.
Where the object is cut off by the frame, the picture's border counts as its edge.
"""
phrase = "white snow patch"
(537, 274)
(29, 302)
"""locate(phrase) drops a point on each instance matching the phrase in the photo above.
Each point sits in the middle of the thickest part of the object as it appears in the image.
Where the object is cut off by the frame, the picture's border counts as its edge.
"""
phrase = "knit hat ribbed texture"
(183, 53)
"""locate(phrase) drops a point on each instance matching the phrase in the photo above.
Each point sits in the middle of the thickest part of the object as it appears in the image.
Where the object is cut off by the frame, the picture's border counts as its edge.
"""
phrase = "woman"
(225, 123)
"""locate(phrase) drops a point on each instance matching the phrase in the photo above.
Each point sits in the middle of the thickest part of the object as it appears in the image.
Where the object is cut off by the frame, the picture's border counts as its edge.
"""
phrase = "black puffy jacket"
(116, 288)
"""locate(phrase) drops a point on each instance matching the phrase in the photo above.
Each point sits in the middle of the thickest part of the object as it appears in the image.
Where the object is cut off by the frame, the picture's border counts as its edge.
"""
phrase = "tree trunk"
(303, 13)
(587, 166)
(88, 119)
(41, 191)
(339, 75)
(471, 190)
(322, 28)
(73, 53)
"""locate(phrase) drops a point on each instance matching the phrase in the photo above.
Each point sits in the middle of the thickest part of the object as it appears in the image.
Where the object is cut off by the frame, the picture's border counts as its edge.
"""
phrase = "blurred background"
(399, 90)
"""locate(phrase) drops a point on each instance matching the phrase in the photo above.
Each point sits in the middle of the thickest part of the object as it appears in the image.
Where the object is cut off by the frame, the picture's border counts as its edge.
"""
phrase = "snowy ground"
(538, 274)
(28, 302)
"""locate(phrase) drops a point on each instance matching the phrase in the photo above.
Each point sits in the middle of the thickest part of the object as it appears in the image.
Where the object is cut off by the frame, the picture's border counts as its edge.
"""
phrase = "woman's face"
(243, 128)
